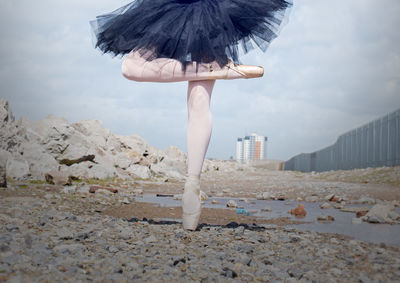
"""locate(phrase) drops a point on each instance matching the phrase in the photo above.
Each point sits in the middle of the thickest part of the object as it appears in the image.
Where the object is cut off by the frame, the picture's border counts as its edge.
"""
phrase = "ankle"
(192, 183)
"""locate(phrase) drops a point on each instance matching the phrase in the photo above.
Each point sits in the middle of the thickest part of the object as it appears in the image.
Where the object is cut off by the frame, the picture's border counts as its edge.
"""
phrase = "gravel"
(44, 239)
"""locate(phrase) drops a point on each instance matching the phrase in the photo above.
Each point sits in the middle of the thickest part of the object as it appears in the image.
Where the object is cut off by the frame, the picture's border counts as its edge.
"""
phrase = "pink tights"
(134, 67)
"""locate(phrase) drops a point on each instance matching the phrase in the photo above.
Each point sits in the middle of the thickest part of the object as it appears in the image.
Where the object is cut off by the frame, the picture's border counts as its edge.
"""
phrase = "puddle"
(376, 233)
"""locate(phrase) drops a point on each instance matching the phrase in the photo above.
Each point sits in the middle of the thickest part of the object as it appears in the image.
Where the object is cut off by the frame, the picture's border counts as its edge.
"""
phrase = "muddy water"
(377, 233)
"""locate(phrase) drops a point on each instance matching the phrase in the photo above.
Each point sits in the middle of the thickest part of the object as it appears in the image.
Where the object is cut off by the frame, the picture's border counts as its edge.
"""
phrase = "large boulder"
(94, 131)
(6, 116)
(4, 155)
(380, 213)
(58, 178)
(17, 168)
(137, 144)
(40, 162)
(83, 150)
(139, 171)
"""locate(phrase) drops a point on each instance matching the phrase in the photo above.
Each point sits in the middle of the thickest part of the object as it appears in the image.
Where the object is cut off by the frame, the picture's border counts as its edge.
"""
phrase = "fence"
(372, 145)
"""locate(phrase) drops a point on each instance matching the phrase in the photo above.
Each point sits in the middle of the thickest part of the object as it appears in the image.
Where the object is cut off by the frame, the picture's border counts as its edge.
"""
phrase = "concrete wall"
(372, 145)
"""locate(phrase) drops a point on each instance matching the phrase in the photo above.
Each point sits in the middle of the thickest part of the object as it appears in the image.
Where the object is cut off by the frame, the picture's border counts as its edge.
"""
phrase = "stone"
(299, 211)
(325, 205)
(6, 116)
(94, 131)
(17, 168)
(267, 208)
(65, 234)
(138, 191)
(213, 201)
(4, 155)
(178, 197)
(58, 178)
(203, 196)
(93, 189)
(355, 220)
(353, 209)
(329, 197)
(69, 189)
(150, 239)
(361, 213)
(231, 203)
(168, 169)
(366, 200)
(311, 198)
(325, 218)
(125, 200)
(122, 160)
(394, 215)
(379, 213)
(139, 171)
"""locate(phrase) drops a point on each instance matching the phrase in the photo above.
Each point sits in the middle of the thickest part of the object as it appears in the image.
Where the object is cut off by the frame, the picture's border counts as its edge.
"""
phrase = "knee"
(199, 102)
(131, 70)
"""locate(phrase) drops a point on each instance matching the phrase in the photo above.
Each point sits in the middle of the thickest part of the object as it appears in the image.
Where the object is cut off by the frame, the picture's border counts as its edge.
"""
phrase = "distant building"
(253, 147)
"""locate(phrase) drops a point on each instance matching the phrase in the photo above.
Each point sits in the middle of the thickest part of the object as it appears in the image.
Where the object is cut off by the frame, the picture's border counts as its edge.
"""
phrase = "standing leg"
(198, 137)
(199, 124)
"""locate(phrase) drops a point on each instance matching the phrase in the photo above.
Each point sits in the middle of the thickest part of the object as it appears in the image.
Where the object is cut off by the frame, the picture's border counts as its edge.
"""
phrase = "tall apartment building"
(253, 147)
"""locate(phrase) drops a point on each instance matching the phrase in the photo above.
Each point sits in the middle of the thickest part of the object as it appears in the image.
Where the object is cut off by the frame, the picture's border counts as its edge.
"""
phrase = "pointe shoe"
(191, 204)
(235, 71)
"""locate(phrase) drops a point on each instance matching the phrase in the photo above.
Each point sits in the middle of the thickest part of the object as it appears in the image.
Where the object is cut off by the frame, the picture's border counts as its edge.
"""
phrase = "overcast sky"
(334, 66)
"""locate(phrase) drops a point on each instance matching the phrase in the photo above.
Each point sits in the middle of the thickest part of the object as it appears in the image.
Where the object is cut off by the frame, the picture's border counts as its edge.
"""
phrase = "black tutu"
(190, 30)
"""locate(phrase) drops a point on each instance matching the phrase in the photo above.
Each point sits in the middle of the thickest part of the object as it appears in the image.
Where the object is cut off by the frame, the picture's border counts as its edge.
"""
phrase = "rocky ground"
(68, 211)
(51, 233)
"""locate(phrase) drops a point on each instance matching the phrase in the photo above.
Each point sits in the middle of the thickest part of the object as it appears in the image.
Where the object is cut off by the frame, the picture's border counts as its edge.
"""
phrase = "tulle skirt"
(190, 30)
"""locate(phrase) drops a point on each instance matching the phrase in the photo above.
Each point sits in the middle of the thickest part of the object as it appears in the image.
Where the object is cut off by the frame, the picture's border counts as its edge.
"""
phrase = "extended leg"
(136, 68)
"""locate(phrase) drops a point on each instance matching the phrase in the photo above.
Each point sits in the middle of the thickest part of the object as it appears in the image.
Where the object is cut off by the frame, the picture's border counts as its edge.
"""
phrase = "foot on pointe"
(191, 203)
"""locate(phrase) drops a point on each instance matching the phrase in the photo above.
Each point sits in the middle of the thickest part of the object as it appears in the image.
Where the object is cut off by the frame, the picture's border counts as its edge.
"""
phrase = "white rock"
(98, 171)
(125, 200)
(4, 155)
(58, 178)
(94, 131)
(69, 189)
(178, 197)
(167, 170)
(214, 201)
(379, 213)
(231, 203)
(267, 208)
(325, 205)
(368, 200)
(329, 197)
(139, 171)
(203, 196)
(122, 160)
(6, 116)
(226, 191)
(311, 198)
(150, 239)
(393, 215)
(356, 220)
(17, 168)
(138, 191)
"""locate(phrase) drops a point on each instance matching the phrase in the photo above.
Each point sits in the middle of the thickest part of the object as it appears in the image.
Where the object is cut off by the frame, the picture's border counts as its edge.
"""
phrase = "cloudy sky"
(335, 66)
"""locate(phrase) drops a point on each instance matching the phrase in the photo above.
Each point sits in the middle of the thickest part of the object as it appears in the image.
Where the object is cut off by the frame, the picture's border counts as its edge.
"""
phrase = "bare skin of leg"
(136, 68)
